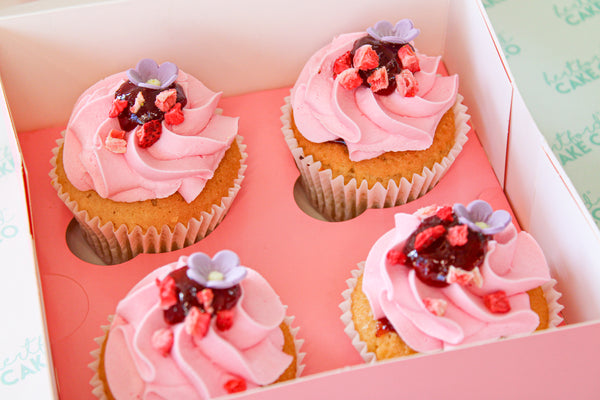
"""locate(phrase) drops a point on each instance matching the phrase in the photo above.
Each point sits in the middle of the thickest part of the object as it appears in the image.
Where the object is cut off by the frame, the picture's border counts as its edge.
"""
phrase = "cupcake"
(370, 122)
(195, 329)
(445, 277)
(148, 164)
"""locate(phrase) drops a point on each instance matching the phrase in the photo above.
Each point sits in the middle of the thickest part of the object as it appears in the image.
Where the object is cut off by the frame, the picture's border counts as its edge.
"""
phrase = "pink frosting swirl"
(194, 368)
(369, 124)
(513, 263)
(182, 160)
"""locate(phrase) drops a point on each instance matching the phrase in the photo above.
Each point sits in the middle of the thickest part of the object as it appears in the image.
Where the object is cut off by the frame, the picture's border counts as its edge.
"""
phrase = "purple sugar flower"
(402, 33)
(149, 74)
(480, 217)
(222, 272)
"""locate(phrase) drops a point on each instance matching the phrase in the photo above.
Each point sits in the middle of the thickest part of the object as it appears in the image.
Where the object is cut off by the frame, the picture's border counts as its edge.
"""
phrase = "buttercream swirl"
(369, 124)
(183, 160)
(195, 367)
(514, 263)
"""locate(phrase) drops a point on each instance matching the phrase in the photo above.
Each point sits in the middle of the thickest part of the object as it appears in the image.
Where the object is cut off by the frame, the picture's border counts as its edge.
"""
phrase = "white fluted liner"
(337, 201)
(550, 293)
(116, 244)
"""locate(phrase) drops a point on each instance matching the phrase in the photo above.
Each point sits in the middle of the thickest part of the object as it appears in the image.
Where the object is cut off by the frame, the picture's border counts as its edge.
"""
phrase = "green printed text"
(28, 360)
(571, 145)
(578, 11)
(576, 74)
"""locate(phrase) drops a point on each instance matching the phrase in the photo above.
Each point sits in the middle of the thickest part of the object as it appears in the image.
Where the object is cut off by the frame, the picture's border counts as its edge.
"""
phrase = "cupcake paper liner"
(116, 244)
(337, 201)
(550, 293)
(98, 385)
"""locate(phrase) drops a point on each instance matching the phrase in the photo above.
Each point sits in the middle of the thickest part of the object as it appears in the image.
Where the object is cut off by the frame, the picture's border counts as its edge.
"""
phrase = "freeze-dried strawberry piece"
(162, 340)
(428, 236)
(139, 102)
(409, 59)
(148, 133)
(197, 322)
(235, 385)
(445, 213)
(117, 107)
(365, 58)
(174, 116)
(425, 212)
(224, 320)
(167, 292)
(462, 277)
(116, 134)
(395, 257)
(406, 83)
(497, 302)
(166, 99)
(350, 79)
(115, 141)
(458, 235)
(435, 306)
(342, 63)
(205, 297)
(378, 79)
(477, 278)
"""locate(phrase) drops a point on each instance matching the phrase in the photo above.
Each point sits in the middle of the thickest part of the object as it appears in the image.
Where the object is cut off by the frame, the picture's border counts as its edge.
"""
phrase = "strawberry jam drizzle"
(388, 58)
(383, 326)
(148, 111)
(433, 262)
(186, 290)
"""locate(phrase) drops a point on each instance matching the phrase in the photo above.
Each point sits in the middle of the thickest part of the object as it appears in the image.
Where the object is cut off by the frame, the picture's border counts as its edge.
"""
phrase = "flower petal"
(232, 278)
(405, 30)
(134, 77)
(497, 222)
(147, 68)
(461, 211)
(166, 74)
(402, 32)
(470, 215)
(200, 266)
(479, 211)
(225, 260)
(237, 275)
(402, 27)
(380, 29)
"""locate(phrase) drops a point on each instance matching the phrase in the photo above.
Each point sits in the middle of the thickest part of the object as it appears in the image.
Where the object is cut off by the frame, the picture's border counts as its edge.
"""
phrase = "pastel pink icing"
(195, 368)
(369, 124)
(513, 263)
(182, 160)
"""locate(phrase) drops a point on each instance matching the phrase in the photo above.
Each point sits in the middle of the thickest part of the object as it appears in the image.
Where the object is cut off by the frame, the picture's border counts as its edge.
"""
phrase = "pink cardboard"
(306, 260)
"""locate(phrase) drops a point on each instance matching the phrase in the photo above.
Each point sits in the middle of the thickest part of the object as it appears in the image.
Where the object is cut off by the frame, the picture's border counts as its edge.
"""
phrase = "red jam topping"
(431, 251)
(147, 111)
(187, 291)
(383, 326)
(387, 54)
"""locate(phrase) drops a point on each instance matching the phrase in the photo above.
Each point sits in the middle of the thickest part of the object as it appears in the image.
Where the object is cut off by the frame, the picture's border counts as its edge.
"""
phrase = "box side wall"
(471, 52)
(40, 53)
(526, 363)
(548, 207)
(575, 263)
(26, 369)
(488, 93)
(537, 186)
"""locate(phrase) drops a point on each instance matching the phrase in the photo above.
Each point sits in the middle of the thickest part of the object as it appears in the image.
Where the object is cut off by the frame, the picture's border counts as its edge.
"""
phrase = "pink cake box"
(306, 260)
